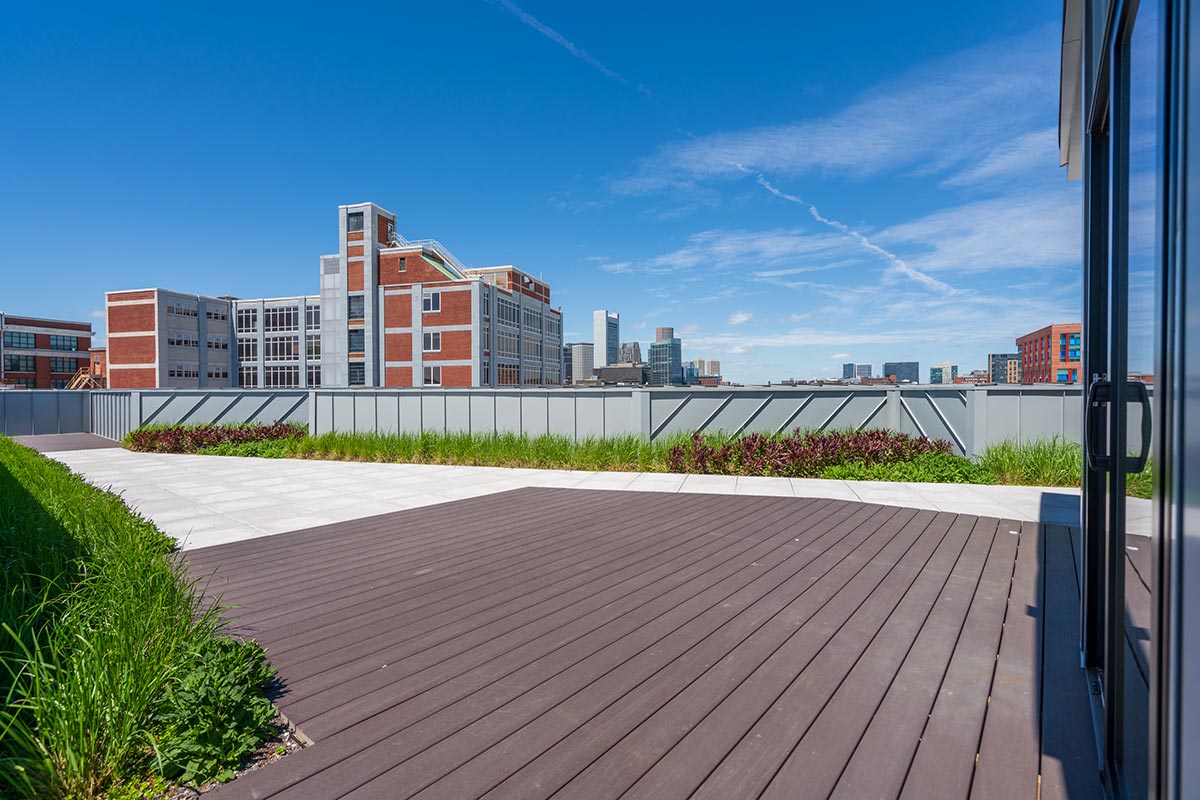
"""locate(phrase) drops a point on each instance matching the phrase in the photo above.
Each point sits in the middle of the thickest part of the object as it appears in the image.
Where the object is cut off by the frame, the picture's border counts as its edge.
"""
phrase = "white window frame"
(432, 376)
(431, 302)
(431, 342)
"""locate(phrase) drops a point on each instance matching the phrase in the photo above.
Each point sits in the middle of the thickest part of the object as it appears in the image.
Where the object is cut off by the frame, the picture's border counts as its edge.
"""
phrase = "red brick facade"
(1052, 354)
(57, 351)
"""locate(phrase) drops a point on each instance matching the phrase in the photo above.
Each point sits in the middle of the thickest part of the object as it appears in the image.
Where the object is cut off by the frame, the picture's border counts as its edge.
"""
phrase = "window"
(182, 309)
(533, 348)
(281, 319)
(218, 373)
(314, 375)
(358, 342)
(281, 377)
(218, 343)
(433, 342)
(247, 320)
(357, 306)
(59, 383)
(281, 348)
(248, 377)
(507, 344)
(18, 363)
(354, 222)
(220, 315)
(313, 344)
(533, 374)
(358, 373)
(507, 312)
(533, 319)
(182, 339)
(18, 339)
(312, 317)
(1063, 376)
(485, 371)
(507, 374)
(247, 348)
(63, 365)
(28, 383)
(432, 301)
(64, 343)
(433, 376)
(183, 371)
(403, 264)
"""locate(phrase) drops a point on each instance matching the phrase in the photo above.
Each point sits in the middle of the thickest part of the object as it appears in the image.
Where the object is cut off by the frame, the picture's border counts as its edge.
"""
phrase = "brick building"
(414, 315)
(42, 353)
(159, 338)
(391, 312)
(1052, 354)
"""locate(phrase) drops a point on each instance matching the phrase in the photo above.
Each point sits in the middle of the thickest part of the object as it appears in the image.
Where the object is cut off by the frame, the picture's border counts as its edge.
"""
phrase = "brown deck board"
(623, 644)
(1010, 748)
(1069, 766)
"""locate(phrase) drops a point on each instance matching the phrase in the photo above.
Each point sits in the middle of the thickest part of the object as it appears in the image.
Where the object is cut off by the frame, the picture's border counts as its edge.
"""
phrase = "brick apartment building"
(391, 312)
(1051, 354)
(42, 353)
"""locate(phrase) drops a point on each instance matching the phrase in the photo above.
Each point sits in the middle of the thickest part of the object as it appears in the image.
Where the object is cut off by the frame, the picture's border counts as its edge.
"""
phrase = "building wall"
(666, 362)
(903, 370)
(42, 353)
(582, 361)
(99, 362)
(1001, 367)
(278, 343)
(1052, 354)
(159, 338)
(606, 337)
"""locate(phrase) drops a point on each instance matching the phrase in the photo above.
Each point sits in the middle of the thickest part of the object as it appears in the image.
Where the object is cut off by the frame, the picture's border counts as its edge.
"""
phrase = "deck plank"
(525, 645)
(1010, 749)
(1070, 768)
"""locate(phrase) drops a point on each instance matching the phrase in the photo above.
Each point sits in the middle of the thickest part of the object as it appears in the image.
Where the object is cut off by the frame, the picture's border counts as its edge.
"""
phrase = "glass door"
(1122, 426)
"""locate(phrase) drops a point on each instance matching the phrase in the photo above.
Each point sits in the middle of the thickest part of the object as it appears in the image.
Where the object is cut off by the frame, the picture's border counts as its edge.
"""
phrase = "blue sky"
(791, 185)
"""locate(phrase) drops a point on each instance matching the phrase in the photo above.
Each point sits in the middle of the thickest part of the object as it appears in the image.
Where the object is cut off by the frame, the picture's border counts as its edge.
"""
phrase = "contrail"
(896, 265)
(567, 44)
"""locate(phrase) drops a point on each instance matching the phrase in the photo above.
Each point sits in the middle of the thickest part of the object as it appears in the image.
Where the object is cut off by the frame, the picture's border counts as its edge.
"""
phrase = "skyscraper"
(666, 360)
(905, 371)
(606, 336)
(714, 368)
(582, 363)
(862, 370)
(847, 371)
(631, 353)
(700, 366)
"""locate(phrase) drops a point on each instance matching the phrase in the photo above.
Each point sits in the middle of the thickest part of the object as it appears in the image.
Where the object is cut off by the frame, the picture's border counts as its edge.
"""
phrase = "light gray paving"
(205, 500)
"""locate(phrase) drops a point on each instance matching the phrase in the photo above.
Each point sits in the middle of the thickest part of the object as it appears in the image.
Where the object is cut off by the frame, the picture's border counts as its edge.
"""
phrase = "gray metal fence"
(38, 411)
(970, 417)
(116, 412)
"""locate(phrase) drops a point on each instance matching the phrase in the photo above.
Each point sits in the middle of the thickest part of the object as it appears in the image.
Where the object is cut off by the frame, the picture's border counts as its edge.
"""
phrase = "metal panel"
(508, 412)
(409, 404)
(534, 414)
(589, 415)
(433, 411)
(458, 412)
(618, 415)
(560, 413)
(482, 408)
(387, 413)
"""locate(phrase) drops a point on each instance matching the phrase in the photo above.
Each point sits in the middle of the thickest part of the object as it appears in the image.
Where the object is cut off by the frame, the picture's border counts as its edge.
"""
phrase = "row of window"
(218, 343)
(15, 363)
(508, 344)
(183, 339)
(182, 310)
(281, 319)
(246, 320)
(61, 365)
(22, 340)
(533, 319)
(218, 316)
(508, 312)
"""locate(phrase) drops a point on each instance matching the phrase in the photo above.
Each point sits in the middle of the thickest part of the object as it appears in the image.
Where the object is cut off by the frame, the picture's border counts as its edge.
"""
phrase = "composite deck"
(575, 644)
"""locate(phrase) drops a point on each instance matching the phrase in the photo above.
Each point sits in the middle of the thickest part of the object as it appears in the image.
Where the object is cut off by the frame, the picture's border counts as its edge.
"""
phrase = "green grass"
(622, 453)
(99, 627)
(1049, 462)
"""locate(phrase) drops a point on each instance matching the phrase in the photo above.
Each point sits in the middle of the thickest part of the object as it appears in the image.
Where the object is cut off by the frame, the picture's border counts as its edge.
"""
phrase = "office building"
(624, 374)
(568, 371)
(391, 312)
(630, 353)
(666, 359)
(606, 337)
(278, 342)
(690, 374)
(700, 365)
(1052, 354)
(714, 367)
(40, 353)
(582, 361)
(159, 338)
(1004, 368)
(862, 370)
(943, 373)
(847, 371)
(903, 371)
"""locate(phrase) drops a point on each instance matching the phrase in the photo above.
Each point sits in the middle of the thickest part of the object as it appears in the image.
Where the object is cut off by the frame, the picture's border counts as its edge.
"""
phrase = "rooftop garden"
(845, 455)
(117, 678)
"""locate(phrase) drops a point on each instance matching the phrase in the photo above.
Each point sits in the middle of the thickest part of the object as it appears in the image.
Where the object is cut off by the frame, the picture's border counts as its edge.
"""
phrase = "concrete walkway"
(207, 500)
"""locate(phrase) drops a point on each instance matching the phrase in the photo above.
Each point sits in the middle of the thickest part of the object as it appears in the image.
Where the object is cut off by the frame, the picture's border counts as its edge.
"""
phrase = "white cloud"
(799, 317)
(839, 356)
(740, 317)
(99, 314)
(937, 117)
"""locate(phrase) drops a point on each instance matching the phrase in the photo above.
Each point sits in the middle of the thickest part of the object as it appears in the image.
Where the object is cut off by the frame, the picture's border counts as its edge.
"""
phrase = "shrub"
(925, 468)
(799, 455)
(270, 448)
(193, 438)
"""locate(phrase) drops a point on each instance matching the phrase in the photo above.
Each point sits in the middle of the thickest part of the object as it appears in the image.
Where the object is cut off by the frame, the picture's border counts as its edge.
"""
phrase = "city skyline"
(806, 226)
